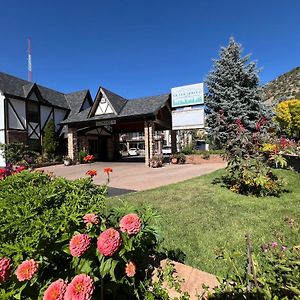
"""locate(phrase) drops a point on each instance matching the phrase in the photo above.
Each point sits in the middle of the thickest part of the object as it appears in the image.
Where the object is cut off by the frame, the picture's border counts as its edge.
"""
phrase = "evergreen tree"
(233, 94)
(50, 141)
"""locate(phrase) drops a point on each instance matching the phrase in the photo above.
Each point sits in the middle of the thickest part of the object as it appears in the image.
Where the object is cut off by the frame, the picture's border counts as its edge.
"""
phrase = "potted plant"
(67, 161)
(156, 161)
(174, 159)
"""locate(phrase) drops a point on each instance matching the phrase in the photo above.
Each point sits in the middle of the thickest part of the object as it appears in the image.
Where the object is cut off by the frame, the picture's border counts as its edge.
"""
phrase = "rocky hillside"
(286, 86)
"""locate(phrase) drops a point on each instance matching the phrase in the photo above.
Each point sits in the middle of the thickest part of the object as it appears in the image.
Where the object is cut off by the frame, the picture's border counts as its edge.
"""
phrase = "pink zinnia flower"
(131, 224)
(80, 288)
(5, 266)
(79, 243)
(27, 269)
(109, 242)
(274, 244)
(55, 290)
(91, 219)
(130, 269)
(283, 248)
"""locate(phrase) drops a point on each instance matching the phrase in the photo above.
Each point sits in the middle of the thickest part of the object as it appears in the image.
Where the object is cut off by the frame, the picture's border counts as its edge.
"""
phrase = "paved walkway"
(135, 176)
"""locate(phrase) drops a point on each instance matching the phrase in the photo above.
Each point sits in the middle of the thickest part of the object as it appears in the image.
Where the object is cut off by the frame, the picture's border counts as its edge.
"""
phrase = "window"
(33, 114)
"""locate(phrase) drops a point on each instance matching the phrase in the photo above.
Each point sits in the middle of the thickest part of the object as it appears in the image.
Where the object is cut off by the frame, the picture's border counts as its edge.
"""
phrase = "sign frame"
(187, 95)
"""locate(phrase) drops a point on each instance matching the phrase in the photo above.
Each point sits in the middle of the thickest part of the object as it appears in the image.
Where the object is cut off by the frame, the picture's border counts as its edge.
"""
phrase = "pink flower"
(79, 243)
(109, 242)
(131, 224)
(91, 219)
(80, 288)
(55, 290)
(130, 269)
(27, 269)
(5, 266)
(274, 244)
(283, 248)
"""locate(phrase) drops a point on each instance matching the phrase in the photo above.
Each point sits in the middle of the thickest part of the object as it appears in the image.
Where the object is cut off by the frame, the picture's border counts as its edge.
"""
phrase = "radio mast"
(29, 61)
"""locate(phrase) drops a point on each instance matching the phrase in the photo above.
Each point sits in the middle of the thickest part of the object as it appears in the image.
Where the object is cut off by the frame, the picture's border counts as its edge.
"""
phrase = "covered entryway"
(98, 129)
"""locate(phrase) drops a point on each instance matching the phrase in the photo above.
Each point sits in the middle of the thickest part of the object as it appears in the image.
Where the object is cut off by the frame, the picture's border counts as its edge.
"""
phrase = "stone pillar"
(159, 146)
(174, 141)
(72, 144)
(151, 139)
(146, 134)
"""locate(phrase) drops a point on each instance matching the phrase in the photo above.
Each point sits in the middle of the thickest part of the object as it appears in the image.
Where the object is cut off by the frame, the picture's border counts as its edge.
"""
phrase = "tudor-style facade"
(93, 126)
(26, 108)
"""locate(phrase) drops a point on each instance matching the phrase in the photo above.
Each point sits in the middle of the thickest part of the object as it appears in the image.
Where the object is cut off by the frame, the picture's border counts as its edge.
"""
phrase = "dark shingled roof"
(116, 101)
(134, 107)
(18, 87)
(75, 101)
(144, 106)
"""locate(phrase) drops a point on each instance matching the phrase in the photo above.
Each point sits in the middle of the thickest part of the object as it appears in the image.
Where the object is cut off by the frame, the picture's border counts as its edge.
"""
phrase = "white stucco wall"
(2, 127)
(19, 107)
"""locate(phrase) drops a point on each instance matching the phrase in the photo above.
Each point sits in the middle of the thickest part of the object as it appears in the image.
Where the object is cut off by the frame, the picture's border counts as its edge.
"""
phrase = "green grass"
(201, 218)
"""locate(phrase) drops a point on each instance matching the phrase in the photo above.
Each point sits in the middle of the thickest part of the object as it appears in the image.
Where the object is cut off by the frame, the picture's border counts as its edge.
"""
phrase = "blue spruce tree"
(233, 93)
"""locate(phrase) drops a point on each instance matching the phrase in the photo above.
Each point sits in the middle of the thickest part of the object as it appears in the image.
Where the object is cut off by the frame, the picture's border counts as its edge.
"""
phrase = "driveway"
(135, 176)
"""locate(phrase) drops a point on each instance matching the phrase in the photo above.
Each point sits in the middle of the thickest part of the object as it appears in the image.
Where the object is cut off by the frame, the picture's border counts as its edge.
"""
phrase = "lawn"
(201, 218)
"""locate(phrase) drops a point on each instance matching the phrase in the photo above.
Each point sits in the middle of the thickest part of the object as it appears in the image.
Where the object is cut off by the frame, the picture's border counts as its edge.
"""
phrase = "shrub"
(275, 274)
(62, 233)
(18, 154)
(247, 170)
(252, 177)
(50, 140)
(180, 157)
(41, 213)
(187, 150)
(82, 154)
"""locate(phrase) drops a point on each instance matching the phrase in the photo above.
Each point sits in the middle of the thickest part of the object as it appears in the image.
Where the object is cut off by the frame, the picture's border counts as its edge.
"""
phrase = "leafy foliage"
(43, 213)
(247, 170)
(233, 93)
(50, 140)
(18, 154)
(275, 275)
(288, 117)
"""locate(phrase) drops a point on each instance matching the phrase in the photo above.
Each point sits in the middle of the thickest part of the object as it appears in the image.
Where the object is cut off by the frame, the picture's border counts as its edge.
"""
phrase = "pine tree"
(50, 141)
(233, 93)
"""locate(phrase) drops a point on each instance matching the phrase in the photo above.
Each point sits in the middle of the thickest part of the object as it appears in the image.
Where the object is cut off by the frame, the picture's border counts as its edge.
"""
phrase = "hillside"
(286, 86)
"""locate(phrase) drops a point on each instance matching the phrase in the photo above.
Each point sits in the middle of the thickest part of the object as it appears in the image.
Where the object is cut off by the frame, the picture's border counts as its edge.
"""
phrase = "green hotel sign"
(187, 95)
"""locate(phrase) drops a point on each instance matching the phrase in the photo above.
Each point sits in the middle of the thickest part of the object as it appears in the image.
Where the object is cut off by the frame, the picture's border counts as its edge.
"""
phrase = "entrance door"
(103, 149)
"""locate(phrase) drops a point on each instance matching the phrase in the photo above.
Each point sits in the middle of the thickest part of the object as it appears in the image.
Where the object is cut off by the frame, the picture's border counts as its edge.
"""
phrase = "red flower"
(108, 170)
(5, 266)
(109, 242)
(130, 269)
(26, 270)
(88, 158)
(79, 243)
(283, 142)
(131, 224)
(240, 125)
(91, 173)
(55, 290)
(80, 288)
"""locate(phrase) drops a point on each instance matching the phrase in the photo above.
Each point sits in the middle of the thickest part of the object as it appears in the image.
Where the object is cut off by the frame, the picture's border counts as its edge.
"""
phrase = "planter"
(174, 161)
(67, 162)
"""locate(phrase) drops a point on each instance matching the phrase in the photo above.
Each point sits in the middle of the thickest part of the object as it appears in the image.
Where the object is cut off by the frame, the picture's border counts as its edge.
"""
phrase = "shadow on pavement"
(112, 191)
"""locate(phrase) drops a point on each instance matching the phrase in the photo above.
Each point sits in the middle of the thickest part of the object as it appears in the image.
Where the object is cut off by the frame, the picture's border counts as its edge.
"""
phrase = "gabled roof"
(18, 87)
(134, 107)
(116, 101)
(75, 100)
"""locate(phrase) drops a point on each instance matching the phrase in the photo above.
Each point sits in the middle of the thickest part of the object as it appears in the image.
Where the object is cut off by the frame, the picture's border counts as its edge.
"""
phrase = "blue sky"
(139, 48)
